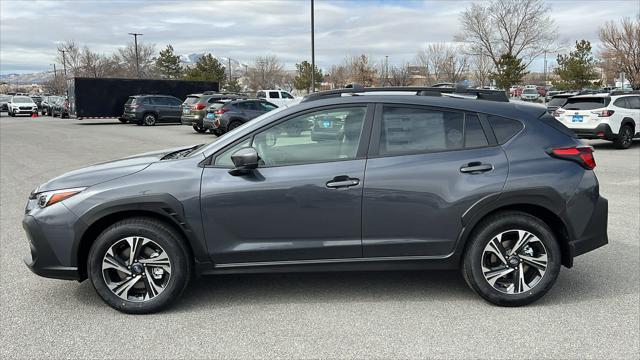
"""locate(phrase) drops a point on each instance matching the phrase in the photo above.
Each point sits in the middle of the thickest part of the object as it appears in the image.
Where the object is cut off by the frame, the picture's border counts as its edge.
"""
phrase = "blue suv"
(413, 178)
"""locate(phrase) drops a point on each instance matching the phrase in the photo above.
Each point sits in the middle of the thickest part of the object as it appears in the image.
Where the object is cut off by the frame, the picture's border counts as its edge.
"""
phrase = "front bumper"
(602, 131)
(44, 260)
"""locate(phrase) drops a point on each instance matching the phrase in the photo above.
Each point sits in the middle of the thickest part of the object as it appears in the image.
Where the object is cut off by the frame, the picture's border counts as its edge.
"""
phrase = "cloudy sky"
(242, 30)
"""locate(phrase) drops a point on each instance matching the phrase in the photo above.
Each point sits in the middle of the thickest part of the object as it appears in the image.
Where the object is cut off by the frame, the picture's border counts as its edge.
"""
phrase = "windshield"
(586, 103)
(22, 100)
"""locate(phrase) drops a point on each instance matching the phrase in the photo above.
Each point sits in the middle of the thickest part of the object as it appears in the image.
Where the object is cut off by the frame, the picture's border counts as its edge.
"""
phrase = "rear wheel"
(234, 124)
(199, 129)
(512, 259)
(139, 265)
(149, 119)
(625, 137)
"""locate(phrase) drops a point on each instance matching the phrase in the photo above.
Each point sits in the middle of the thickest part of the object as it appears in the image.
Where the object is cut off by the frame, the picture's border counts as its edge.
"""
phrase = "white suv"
(603, 116)
(19, 105)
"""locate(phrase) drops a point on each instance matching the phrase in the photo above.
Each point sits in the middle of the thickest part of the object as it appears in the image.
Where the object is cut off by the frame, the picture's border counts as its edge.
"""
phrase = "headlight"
(51, 197)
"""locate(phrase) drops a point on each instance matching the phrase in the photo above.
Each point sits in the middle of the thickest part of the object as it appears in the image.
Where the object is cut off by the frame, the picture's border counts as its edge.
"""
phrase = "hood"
(100, 173)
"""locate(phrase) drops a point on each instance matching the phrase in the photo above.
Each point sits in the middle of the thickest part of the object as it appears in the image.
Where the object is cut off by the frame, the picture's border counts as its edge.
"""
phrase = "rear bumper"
(595, 234)
(602, 131)
(191, 120)
(131, 117)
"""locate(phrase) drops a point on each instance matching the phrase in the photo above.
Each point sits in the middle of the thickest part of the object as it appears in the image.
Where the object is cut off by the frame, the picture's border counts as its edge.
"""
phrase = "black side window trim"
(374, 146)
(362, 146)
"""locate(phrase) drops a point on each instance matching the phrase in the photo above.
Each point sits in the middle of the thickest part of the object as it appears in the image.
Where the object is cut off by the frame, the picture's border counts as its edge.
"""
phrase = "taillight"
(134, 106)
(603, 113)
(583, 155)
(199, 106)
(220, 111)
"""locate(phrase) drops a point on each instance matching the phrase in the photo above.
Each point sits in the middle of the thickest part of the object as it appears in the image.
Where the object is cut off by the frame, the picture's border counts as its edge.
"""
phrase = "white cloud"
(242, 30)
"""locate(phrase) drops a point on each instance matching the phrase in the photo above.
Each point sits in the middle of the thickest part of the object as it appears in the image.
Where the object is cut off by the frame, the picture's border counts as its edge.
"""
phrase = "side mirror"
(244, 159)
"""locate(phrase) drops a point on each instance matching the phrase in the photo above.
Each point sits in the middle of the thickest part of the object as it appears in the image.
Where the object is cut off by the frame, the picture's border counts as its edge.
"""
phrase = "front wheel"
(199, 129)
(139, 265)
(625, 137)
(512, 259)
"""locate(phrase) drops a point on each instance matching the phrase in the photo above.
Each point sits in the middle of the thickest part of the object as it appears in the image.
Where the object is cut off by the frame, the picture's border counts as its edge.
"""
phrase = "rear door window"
(474, 135)
(274, 95)
(622, 102)
(586, 103)
(413, 130)
(504, 128)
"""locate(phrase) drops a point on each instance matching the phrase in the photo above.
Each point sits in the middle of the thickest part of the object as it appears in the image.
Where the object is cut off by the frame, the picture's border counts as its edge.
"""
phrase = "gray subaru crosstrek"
(422, 178)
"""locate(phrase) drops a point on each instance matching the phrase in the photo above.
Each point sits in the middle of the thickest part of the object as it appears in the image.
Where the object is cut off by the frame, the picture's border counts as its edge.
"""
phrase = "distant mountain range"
(41, 77)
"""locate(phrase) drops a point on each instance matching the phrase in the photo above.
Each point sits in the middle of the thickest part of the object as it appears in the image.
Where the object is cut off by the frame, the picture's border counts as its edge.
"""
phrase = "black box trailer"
(105, 97)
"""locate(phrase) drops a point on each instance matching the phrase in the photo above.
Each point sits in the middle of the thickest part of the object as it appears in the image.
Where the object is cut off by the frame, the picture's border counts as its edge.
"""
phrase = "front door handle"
(342, 181)
(476, 167)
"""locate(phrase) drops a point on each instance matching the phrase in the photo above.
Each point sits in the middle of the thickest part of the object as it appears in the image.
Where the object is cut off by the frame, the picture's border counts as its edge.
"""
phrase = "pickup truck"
(278, 97)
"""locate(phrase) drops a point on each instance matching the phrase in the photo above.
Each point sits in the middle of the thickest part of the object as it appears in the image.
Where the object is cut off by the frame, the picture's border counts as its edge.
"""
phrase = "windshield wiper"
(181, 153)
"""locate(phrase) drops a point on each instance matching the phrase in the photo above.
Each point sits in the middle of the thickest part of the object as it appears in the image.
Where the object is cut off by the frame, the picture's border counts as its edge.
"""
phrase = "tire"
(625, 137)
(217, 132)
(149, 119)
(157, 239)
(199, 129)
(479, 254)
(234, 124)
(11, 114)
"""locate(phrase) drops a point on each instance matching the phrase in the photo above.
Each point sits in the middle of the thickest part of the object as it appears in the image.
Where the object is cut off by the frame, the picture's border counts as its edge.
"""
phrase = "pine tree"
(302, 81)
(207, 68)
(168, 64)
(509, 71)
(578, 69)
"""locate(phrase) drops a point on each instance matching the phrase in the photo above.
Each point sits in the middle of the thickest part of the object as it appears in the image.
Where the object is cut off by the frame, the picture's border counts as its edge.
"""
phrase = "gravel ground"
(592, 312)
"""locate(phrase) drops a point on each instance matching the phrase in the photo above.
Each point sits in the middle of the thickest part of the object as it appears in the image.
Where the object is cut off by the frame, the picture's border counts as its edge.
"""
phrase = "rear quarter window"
(554, 123)
(504, 128)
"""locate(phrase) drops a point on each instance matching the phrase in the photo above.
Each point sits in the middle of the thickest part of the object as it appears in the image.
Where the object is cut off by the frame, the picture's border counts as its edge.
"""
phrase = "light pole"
(313, 53)
(64, 61)
(135, 41)
(386, 69)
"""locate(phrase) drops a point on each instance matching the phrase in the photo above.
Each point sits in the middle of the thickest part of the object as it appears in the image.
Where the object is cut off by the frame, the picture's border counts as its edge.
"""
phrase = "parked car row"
(209, 111)
(613, 116)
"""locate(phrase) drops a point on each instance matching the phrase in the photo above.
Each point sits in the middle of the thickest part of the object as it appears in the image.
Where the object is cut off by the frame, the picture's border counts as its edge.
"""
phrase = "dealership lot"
(592, 311)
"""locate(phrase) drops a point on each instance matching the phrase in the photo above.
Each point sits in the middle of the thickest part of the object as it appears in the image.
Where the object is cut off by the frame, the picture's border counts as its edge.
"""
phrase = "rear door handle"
(342, 181)
(476, 167)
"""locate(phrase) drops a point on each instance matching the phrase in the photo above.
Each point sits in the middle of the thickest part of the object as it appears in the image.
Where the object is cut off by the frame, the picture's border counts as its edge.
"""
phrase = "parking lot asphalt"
(593, 311)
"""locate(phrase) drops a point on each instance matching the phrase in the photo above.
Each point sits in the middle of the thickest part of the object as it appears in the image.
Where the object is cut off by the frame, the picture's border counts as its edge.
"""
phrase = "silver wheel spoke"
(161, 260)
(519, 281)
(523, 239)
(495, 246)
(110, 262)
(135, 244)
(492, 275)
(539, 262)
(152, 288)
(122, 288)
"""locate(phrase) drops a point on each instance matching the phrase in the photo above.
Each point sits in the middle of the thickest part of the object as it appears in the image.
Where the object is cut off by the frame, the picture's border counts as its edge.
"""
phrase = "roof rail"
(209, 92)
(355, 89)
(623, 92)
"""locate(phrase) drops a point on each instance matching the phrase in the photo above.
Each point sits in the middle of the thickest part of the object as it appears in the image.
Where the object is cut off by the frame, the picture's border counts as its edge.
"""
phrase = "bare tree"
(69, 54)
(338, 76)
(424, 65)
(399, 75)
(98, 65)
(127, 59)
(443, 62)
(361, 70)
(621, 46)
(267, 72)
(522, 28)
(481, 69)
(56, 84)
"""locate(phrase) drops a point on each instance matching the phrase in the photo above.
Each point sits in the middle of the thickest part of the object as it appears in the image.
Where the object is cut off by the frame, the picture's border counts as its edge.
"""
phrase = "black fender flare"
(164, 206)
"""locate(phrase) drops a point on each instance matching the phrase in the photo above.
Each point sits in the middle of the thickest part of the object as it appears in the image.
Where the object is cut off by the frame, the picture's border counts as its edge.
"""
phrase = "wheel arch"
(96, 221)
(629, 121)
(545, 209)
